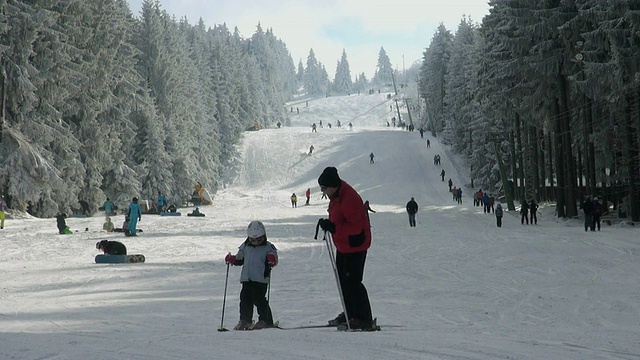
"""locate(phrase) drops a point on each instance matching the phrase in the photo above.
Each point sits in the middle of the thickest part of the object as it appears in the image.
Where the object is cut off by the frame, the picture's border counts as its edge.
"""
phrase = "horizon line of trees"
(550, 90)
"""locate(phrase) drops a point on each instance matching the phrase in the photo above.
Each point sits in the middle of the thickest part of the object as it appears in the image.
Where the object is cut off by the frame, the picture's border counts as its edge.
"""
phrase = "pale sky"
(403, 27)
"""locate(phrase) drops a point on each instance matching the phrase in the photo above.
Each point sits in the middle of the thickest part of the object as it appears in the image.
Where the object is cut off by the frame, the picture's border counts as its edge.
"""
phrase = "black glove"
(327, 225)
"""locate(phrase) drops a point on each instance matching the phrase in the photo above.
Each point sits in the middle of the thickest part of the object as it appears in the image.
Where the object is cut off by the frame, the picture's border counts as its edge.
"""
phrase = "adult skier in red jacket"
(349, 225)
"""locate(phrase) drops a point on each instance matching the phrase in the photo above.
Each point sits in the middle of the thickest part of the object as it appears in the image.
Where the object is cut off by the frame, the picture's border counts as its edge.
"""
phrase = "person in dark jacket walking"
(442, 173)
(450, 184)
(587, 207)
(412, 209)
(349, 226)
(533, 212)
(524, 212)
(597, 212)
(498, 213)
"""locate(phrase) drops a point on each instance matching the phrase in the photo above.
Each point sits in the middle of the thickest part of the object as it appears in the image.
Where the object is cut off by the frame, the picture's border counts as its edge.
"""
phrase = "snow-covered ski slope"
(461, 287)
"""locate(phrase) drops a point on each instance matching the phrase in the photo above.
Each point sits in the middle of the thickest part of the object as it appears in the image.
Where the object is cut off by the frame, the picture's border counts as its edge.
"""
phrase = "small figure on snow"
(62, 224)
(524, 212)
(313, 128)
(311, 149)
(412, 209)
(108, 225)
(3, 208)
(308, 195)
(498, 213)
(108, 208)
(442, 173)
(371, 159)
(257, 256)
(111, 247)
(134, 214)
(162, 201)
(294, 200)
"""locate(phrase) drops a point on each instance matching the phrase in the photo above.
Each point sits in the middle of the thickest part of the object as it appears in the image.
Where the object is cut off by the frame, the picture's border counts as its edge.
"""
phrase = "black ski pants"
(412, 219)
(350, 269)
(253, 293)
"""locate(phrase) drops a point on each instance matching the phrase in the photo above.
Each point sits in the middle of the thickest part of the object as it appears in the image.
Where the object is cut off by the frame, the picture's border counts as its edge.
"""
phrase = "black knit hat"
(329, 177)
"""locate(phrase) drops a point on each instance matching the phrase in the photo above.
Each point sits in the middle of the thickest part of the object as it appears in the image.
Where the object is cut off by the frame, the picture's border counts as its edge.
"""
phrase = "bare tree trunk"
(631, 151)
(570, 168)
(560, 171)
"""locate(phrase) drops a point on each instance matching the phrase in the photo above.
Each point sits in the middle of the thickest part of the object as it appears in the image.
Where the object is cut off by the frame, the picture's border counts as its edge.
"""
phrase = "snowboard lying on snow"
(119, 259)
(167, 213)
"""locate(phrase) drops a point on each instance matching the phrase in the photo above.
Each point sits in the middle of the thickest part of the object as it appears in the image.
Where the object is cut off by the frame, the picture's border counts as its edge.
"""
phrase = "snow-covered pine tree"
(384, 70)
(342, 82)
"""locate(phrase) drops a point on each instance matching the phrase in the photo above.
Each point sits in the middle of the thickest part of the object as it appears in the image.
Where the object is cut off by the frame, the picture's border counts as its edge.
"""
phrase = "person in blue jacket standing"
(135, 215)
(162, 201)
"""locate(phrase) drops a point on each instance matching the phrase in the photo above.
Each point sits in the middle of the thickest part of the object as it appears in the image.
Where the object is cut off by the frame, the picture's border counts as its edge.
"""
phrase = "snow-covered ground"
(460, 287)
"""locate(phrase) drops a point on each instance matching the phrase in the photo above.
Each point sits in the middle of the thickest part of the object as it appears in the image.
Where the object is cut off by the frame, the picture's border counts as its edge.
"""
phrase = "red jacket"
(347, 212)
(308, 193)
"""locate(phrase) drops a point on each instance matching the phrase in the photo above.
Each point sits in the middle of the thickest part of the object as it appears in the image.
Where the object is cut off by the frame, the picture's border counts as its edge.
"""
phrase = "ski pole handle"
(317, 228)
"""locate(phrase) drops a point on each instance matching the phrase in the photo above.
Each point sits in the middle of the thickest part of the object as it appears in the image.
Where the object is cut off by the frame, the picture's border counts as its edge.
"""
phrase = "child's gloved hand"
(271, 260)
(230, 259)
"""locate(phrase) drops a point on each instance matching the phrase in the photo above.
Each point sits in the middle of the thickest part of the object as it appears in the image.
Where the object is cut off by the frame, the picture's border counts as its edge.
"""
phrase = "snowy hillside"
(458, 286)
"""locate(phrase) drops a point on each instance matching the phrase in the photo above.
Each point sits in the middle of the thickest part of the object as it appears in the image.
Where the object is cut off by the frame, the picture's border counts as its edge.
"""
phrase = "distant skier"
(428, 143)
(412, 209)
(3, 208)
(313, 128)
(162, 201)
(311, 149)
(308, 195)
(450, 184)
(371, 159)
(108, 207)
(533, 212)
(135, 214)
(442, 174)
(524, 212)
(499, 215)
(294, 200)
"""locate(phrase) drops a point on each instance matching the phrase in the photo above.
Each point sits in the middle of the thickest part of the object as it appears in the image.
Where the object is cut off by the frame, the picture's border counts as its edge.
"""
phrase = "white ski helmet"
(256, 229)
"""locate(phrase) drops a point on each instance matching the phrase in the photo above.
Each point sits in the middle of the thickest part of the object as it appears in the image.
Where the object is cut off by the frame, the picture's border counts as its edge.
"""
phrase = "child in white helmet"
(256, 256)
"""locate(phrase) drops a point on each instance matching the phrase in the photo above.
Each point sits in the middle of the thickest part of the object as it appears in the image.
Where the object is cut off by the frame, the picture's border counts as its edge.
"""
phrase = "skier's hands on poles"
(327, 225)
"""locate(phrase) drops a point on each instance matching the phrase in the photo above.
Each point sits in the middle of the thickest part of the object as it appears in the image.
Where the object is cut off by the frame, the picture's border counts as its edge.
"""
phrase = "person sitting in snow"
(62, 223)
(108, 225)
(111, 247)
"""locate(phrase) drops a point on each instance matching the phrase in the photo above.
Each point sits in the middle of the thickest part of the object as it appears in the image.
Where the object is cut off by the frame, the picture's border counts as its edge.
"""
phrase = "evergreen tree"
(383, 69)
(342, 80)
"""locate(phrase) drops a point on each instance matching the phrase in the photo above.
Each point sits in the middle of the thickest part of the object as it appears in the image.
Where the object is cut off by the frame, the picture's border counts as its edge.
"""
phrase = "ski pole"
(334, 265)
(224, 300)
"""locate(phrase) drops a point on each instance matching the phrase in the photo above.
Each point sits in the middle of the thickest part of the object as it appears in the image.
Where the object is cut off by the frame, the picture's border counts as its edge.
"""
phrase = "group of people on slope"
(486, 200)
(348, 224)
